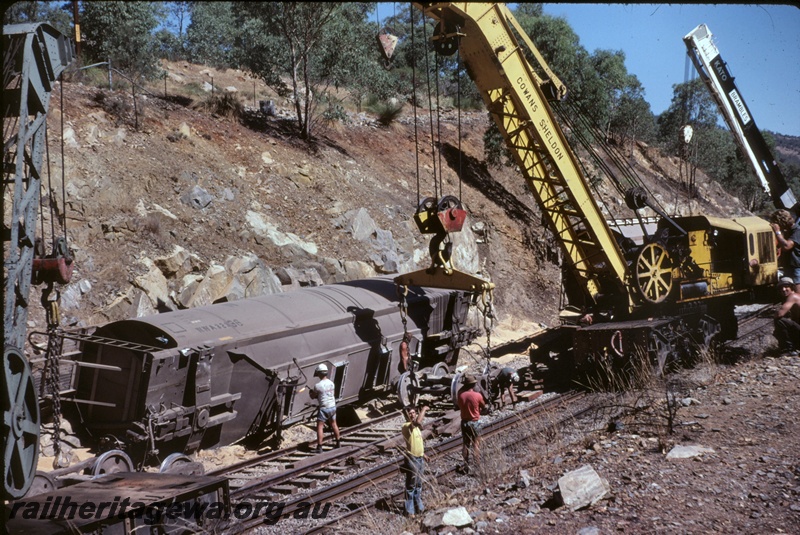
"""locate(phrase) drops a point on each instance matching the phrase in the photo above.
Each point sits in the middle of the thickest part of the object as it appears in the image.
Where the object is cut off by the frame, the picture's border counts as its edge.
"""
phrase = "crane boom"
(720, 82)
(675, 290)
(516, 96)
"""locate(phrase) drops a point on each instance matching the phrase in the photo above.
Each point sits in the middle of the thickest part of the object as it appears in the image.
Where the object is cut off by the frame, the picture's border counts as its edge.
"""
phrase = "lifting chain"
(52, 359)
(402, 292)
(408, 363)
(55, 345)
(487, 310)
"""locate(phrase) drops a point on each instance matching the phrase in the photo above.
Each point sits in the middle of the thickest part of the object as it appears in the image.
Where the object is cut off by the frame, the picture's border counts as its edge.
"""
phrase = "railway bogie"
(210, 376)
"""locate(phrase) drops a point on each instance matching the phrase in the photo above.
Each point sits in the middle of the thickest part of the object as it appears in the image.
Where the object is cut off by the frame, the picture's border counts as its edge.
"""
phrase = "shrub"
(224, 105)
(387, 112)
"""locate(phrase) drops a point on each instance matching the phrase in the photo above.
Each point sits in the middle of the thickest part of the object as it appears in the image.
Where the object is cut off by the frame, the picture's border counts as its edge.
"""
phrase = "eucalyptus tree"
(633, 120)
(211, 34)
(123, 33)
(301, 49)
(57, 14)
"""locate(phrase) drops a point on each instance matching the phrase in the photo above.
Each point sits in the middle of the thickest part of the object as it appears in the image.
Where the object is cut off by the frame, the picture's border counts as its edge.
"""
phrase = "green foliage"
(302, 49)
(335, 113)
(691, 104)
(210, 36)
(632, 120)
(529, 10)
(193, 89)
(609, 84)
(716, 153)
(387, 112)
(123, 33)
(57, 15)
(168, 45)
(495, 149)
(95, 77)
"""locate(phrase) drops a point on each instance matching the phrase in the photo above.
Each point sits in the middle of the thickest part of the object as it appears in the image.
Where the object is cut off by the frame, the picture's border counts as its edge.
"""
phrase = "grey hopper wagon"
(210, 376)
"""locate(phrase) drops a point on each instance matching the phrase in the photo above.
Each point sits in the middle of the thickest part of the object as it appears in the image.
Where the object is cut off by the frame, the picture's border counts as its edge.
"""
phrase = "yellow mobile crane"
(675, 290)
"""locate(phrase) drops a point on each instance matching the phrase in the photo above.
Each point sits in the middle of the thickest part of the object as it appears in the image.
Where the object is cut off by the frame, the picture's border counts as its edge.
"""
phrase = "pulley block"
(56, 267)
(446, 37)
(451, 214)
(636, 198)
(440, 217)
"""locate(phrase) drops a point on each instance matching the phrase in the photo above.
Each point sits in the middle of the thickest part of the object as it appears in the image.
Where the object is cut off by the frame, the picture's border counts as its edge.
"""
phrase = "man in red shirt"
(470, 402)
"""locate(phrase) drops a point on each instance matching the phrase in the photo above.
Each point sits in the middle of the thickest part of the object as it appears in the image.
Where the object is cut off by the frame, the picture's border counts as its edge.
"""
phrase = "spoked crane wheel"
(20, 425)
(654, 273)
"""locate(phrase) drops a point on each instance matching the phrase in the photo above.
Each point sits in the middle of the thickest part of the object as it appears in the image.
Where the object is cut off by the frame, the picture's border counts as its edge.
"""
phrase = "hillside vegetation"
(185, 175)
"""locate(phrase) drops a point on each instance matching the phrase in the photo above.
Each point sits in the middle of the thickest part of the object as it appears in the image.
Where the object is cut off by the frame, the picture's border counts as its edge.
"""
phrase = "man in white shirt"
(325, 392)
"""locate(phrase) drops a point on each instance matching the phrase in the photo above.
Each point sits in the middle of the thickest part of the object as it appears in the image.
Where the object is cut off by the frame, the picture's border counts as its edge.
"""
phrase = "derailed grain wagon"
(207, 377)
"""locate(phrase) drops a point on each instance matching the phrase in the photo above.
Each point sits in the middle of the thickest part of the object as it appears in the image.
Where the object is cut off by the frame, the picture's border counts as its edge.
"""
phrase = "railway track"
(754, 322)
(364, 473)
(290, 470)
(295, 469)
(372, 472)
(453, 445)
(378, 465)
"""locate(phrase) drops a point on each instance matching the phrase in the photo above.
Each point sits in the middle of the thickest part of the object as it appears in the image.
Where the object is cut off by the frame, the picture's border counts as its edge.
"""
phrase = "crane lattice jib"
(34, 56)
(514, 94)
(719, 81)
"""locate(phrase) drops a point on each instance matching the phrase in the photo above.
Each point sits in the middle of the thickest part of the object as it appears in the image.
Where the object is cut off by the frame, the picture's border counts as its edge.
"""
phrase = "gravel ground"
(744, 414)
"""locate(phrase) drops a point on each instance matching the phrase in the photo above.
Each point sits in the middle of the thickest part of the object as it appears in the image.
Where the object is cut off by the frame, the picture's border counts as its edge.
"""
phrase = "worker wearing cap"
(470, 402)
(325, 392)
(787, 318)
(505, 382)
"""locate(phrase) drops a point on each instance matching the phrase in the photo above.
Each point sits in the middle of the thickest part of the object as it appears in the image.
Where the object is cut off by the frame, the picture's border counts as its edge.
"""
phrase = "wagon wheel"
(178, 463)
(42, 483)
(661, 351)
(455, 384)
(20, 425)
(440, 369)
(654, 273)
(112, 462)
(406, 389)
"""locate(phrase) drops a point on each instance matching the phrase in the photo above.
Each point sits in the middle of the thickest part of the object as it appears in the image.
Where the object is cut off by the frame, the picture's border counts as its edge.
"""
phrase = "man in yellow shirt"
(414, 465)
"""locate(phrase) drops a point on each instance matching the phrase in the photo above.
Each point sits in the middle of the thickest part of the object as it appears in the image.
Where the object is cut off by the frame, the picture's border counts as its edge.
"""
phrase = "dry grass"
(645, 398)
(223, 104)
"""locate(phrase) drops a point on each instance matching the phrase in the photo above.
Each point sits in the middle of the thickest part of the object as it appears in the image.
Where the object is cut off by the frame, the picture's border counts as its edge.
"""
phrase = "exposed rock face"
(160, 211)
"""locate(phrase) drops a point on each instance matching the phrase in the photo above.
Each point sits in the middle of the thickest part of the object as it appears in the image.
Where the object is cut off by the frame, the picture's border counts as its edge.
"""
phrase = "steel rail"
(453, 444)
(391, 468)
(278, 454)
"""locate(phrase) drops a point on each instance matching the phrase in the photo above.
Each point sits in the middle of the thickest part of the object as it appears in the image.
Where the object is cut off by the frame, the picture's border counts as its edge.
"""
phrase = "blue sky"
(759, 42)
